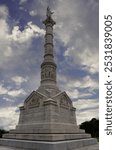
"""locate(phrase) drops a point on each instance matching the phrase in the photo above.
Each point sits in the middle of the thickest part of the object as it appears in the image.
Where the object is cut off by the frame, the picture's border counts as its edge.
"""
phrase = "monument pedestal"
(47, 123)
(43, 145)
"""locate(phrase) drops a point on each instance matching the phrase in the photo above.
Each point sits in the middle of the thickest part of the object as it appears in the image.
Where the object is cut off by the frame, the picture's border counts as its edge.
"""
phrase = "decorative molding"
(50, 102)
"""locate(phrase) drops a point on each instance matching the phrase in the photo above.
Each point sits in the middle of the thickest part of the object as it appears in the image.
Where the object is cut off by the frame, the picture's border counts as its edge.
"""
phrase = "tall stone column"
(48, 67)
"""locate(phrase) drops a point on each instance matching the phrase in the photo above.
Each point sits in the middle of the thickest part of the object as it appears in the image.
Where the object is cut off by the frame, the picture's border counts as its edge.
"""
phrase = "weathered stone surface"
(47, 137)
(41, 114)
(40, 145)
(90, 147)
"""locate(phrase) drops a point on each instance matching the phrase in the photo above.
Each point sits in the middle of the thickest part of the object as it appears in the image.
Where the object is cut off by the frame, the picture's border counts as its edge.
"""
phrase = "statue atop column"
(49, 17)
(49, 13)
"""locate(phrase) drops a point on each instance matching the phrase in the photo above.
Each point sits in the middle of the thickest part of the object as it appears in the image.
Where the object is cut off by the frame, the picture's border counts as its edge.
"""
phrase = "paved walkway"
(93, 147)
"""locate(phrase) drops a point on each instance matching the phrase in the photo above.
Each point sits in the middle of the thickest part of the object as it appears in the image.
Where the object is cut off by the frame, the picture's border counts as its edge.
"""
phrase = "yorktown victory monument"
(47, 120)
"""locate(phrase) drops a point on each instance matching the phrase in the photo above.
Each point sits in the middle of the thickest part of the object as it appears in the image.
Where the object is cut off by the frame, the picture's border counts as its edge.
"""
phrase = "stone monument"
(47, 119)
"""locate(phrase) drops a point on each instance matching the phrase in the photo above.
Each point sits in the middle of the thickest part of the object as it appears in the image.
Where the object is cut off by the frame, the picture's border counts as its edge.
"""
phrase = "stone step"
(40, 145)
(90, 147)
(44, 125)
(47, 137)
(47, 130)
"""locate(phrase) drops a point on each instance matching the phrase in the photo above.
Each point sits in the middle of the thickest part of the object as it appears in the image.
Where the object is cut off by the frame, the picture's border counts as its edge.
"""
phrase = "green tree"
(91, 127)
(2, 131)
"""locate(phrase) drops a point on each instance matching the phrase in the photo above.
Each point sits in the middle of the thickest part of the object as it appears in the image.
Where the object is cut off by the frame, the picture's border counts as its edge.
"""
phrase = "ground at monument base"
(92, 147)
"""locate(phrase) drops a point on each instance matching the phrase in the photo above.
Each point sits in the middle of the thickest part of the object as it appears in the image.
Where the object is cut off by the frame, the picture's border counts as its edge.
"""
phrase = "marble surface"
(92, 147)
(9, 148)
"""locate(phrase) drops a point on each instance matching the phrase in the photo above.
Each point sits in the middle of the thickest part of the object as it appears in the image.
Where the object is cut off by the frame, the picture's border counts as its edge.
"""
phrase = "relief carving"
(63, 101)
(48, 72)
(34, 102)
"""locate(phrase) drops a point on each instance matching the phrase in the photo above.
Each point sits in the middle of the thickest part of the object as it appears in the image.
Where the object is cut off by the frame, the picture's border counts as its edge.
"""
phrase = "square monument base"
(42, 145)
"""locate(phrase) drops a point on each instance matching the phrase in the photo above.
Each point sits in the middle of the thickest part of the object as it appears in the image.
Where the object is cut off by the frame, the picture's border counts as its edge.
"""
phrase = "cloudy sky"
(76, 47)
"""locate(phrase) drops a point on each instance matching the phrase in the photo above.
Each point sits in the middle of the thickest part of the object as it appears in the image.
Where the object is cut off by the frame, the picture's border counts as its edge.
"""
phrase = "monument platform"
(43, 145)
(90, 147)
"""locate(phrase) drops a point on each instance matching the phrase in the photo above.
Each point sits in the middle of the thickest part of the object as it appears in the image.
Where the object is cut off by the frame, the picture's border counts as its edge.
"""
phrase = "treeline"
(91, 127)
(2, 131)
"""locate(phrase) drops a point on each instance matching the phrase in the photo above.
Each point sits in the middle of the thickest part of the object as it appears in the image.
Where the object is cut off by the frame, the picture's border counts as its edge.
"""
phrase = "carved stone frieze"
(48, 72)
(63, 101)
(34, 102)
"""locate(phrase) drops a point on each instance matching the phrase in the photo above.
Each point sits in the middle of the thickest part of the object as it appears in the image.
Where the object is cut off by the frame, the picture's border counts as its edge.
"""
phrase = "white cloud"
(16, 93)
(78, 34)
(19, 79)
(8, 99)
(22, 2)
(3, 11)
(87, 59)
(73, 93)
(72, 86)
(86, 109)
(36, 29)
(90, 60)
(13, 93)
(4, 31)
(87, 81)
(8, 117)
(4, 28)
(8, 52)
(86, 104)
(33, 13)
(3, 90)
(87, 115)
(15, 43)
(84, 82)
(27, 34)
